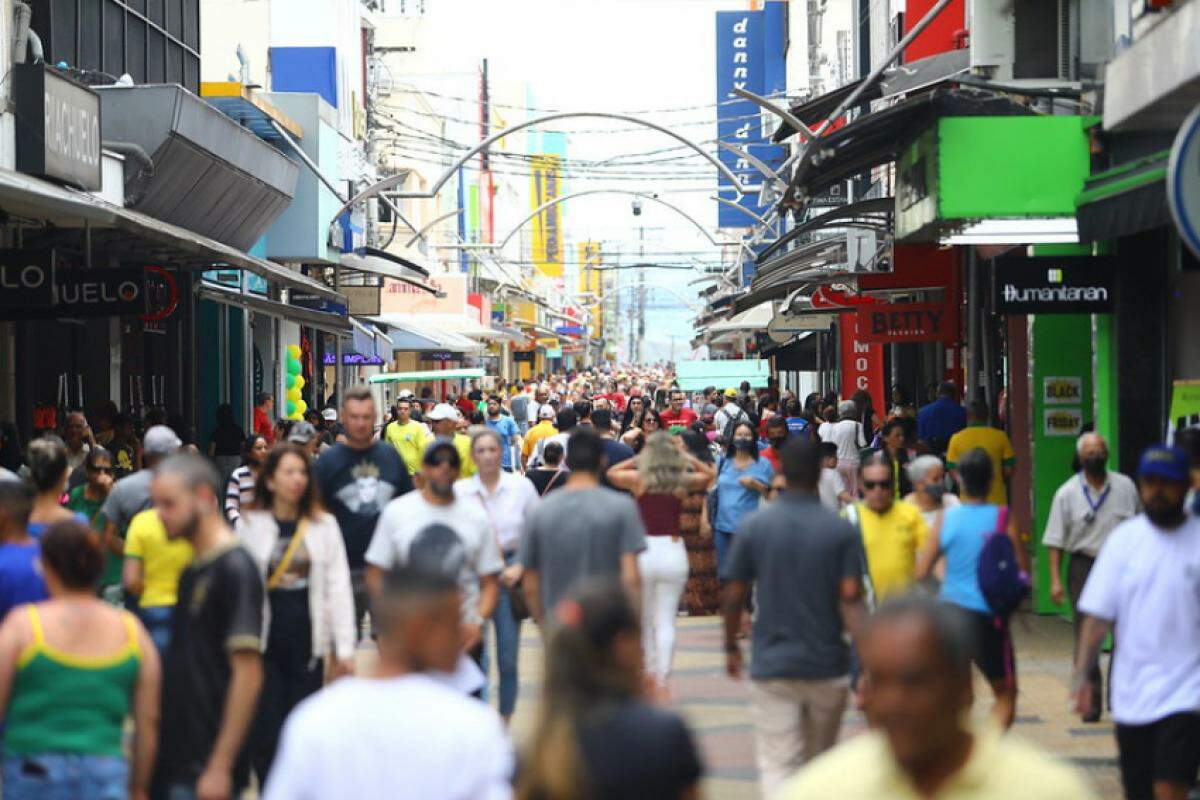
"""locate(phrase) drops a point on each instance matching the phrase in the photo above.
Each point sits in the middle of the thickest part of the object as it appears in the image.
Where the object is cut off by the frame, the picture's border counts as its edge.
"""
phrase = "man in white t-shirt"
(1146, 584)
(847, 433)
(433, 530)
(401, 732)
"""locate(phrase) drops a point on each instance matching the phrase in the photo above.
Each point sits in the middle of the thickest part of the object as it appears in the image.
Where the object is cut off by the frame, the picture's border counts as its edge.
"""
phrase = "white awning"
(454, 323)
(753, 319)
(424, 333)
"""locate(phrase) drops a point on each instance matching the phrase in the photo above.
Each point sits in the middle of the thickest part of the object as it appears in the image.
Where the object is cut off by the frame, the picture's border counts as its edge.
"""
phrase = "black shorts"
(1166, 750)
(993, 648)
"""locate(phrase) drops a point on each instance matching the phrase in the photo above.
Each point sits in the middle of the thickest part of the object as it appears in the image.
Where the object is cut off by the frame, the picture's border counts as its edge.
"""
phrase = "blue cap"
(1169, 463)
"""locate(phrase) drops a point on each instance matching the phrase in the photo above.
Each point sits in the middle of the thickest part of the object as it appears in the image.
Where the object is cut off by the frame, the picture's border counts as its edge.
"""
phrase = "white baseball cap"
(329, 414)
(160, 440)
(442, 411)
(547, 412)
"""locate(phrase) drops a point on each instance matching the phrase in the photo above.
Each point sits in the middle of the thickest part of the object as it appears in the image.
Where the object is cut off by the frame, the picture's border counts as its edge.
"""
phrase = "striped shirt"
(239, 492)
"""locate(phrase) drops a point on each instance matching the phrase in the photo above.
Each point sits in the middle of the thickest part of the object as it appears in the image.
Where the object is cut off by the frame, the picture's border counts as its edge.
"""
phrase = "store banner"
(908, 322)
(749, 55)
(32, 288)
(1054, 284)
(546, 185)
(862, 361)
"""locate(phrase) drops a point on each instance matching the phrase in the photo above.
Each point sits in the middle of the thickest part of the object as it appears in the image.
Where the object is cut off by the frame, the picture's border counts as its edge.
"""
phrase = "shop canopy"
(1124, 200)
(130, 234)
(692, 376)
(428, 376)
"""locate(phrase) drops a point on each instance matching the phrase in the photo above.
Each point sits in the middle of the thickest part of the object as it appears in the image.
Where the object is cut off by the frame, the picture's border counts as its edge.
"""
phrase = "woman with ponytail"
(597, 737)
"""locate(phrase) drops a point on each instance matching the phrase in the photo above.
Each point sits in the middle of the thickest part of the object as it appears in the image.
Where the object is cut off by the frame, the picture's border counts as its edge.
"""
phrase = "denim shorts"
(65, 776)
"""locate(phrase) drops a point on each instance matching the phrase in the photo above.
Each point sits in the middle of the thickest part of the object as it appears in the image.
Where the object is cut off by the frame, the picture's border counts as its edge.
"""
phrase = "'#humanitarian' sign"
(1063, 421)
(1054, 285)
(1060, 391)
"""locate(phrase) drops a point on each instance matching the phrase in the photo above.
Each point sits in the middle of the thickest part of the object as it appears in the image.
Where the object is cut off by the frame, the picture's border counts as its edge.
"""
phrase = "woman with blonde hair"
(597, 736)
(660, 477)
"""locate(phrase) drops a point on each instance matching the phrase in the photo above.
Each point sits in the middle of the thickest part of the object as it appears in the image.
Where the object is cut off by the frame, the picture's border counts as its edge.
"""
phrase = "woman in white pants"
(660, 477)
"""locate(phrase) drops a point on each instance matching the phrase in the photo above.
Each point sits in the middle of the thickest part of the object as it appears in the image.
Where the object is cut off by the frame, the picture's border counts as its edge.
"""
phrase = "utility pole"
(641, 293)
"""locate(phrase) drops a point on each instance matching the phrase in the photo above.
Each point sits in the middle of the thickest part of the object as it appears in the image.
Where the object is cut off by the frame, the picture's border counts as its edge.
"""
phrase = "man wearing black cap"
(1146, 585)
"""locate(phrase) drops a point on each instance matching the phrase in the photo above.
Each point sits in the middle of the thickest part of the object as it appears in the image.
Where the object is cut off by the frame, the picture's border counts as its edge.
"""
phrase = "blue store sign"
(1183, 181)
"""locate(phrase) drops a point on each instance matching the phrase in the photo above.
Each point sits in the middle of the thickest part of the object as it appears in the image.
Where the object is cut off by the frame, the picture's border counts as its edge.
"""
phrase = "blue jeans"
(157, 620)
(508, 644)
(65, 776)
(723, 541)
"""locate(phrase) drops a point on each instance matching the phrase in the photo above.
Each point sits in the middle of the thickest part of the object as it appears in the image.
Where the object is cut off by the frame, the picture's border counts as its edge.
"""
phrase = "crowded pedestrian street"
(599, 400)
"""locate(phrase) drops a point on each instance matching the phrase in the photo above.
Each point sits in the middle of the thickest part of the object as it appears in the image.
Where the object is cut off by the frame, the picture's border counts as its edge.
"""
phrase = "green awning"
(427, 376)
(1126, 199)
(693, 376)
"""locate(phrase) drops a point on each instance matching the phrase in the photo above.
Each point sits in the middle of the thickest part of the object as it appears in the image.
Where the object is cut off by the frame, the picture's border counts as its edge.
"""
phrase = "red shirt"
(772, 455)
(465, 406)
(617, 399)
(685, 417)
(263, 426)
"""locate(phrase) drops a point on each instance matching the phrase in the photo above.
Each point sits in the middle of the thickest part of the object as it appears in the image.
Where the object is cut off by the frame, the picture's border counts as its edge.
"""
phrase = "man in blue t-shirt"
(941, 419)
(510, 434)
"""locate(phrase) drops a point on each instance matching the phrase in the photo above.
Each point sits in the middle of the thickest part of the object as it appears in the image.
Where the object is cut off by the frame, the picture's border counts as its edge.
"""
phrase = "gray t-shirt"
(579, 533)
(796, 553)
(129, 497)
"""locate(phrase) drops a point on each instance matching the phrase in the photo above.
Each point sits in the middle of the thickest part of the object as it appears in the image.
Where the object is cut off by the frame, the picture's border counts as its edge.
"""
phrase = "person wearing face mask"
(1084, 512)
(743, 476)
(777, 435)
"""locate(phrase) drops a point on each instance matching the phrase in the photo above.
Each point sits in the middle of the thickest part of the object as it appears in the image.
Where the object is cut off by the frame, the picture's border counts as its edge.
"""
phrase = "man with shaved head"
(1085, 510)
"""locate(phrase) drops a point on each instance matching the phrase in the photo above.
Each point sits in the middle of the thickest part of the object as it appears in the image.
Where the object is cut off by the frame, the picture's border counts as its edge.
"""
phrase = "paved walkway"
(716, 707)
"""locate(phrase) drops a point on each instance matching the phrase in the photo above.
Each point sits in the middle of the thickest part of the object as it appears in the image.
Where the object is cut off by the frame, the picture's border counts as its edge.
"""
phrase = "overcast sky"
(618, 56)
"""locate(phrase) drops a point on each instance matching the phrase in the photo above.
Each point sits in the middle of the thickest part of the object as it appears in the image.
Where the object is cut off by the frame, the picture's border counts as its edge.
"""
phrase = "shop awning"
(134, 235)
(693, 376)
(753, 319)
(387, 265)
(428, 376)
(419, 333)
(874, 213)
(906, 78)
(1125, 199)
(878, 138)
(321, 320)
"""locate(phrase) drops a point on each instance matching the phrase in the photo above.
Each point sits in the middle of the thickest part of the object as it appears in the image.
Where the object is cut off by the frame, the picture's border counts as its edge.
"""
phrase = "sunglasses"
(868, 485)
(102, 470)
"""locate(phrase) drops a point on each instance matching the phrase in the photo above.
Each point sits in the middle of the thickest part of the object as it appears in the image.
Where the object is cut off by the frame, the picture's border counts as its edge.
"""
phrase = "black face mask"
(778, 442)
(743, 445)
(1164, 517)
(935, 492)
(1095, 465)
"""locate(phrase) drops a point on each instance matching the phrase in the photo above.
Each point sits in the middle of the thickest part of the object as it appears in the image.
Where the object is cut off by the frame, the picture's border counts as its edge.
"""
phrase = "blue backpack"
(1003, 584)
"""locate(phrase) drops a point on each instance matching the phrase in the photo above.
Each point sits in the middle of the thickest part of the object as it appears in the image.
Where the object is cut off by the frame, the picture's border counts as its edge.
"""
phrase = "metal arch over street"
(391, 182)
(550, 203)
(430, 224)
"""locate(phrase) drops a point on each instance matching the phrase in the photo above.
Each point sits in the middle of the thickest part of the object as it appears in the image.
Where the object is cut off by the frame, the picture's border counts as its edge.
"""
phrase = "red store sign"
(862, 361)
(908, 322)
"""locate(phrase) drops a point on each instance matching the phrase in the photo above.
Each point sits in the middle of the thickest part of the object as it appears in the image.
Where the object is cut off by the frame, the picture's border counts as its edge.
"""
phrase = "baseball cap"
(731, 392)
(160, 440)
(329, 415)
(302, 433)
(547, 412)
(442, 411)
(404, 393)
(1169, 463)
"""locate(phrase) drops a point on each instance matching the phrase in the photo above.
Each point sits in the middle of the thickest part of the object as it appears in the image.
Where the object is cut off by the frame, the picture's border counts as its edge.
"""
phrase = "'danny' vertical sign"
(546, 178)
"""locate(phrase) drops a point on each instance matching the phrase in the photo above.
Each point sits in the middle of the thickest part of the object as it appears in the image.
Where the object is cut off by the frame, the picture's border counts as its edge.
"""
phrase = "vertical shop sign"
(862, 362)
(745, 42)
(546, 185)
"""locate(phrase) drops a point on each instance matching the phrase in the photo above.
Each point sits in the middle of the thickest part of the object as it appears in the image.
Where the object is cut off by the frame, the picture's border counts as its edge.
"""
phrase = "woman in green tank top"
(72, 669)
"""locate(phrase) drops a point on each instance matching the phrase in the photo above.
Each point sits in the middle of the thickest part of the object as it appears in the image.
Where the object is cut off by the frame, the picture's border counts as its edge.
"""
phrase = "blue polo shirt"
(940, 420)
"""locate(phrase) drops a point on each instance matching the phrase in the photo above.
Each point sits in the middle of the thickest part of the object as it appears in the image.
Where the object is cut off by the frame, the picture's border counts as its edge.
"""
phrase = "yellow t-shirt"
(462, 443)
(998, 768)
(999, 449)
(410, 441)
(543, 430)
(163, 560)
(892, 542)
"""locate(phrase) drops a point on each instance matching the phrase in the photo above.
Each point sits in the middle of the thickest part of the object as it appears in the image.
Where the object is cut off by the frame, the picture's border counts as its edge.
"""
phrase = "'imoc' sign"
(58, 127)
